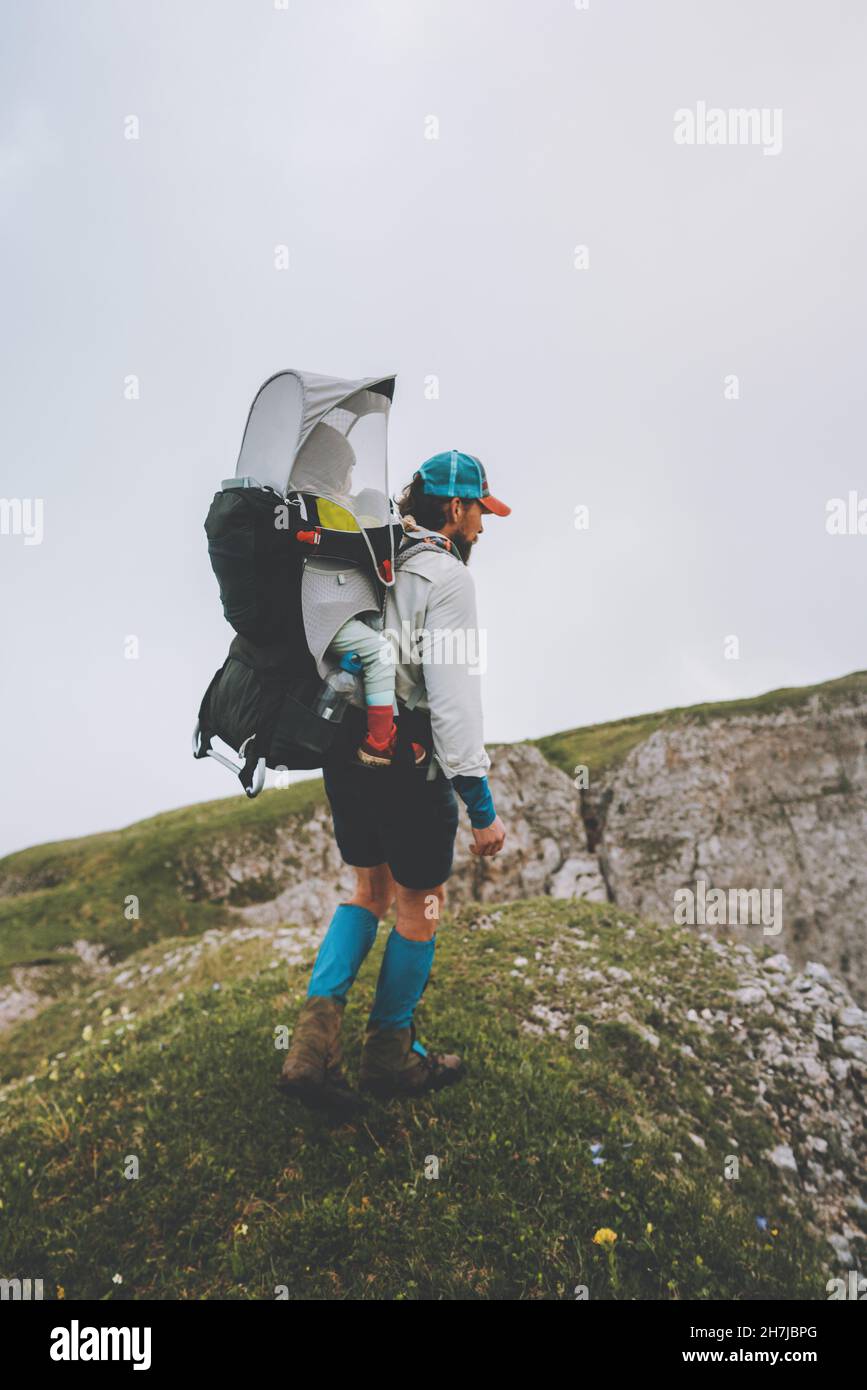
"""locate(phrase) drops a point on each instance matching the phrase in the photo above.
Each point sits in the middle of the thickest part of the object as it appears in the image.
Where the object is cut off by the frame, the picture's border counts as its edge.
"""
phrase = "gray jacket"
(431, 619)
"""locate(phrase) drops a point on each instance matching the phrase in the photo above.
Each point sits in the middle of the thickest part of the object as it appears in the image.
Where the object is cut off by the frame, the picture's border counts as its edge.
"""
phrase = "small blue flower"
(761, 1223)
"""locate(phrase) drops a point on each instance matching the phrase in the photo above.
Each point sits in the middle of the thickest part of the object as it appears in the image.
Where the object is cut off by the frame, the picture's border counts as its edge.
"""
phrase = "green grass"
(602, 747)
(60, 892)
(241, 1192)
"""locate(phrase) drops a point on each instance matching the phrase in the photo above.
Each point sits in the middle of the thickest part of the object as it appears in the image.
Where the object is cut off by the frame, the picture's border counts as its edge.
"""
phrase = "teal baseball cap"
(454, 474)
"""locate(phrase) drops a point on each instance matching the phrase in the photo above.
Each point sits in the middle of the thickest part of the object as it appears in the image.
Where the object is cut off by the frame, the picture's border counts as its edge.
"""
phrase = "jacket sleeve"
(452, 663)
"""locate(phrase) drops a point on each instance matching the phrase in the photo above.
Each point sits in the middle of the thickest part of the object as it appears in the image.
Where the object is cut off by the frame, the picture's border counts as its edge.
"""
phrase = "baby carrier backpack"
(301, 540)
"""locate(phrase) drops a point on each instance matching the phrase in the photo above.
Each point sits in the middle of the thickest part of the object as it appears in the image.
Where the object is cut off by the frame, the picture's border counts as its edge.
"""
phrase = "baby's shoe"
(372, 753)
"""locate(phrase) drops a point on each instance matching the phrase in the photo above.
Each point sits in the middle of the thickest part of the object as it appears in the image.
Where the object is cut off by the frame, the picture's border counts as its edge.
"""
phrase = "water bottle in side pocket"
(334, 695)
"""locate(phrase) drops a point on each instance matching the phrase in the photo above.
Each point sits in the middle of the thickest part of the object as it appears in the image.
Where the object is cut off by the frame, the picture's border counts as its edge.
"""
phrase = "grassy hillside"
(76, 889)
(602, 747)
(546, 1145)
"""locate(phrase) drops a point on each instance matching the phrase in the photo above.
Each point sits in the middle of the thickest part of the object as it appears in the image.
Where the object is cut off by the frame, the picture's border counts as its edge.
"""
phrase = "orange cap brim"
(493, 504)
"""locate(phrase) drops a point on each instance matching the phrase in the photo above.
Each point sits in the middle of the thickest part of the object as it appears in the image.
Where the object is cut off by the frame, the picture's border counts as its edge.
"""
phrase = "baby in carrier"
(357, 646)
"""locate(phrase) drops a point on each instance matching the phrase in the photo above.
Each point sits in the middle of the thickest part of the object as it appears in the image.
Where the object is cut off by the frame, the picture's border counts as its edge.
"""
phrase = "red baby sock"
(380, 723)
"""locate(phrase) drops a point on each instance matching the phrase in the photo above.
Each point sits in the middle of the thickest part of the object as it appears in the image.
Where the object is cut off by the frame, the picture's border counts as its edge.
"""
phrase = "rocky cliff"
(755, 795)
(548, 853)
(769, 797)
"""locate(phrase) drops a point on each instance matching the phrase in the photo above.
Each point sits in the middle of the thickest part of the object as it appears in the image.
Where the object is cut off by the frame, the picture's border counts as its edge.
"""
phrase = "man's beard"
(463, 547)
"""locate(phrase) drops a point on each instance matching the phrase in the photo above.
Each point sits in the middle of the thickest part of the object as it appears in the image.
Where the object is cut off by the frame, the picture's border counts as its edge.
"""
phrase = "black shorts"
(394, 816)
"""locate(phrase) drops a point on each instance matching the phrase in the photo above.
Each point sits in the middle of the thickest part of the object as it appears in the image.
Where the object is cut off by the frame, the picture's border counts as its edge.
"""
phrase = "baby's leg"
(377, 660)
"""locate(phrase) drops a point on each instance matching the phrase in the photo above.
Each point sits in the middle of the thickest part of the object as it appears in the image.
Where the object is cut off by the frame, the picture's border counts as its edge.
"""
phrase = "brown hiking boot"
(312, 1071)
(390, 1065)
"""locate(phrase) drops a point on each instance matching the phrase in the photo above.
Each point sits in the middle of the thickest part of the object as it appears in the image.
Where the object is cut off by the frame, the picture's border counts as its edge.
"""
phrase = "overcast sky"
(450, 257)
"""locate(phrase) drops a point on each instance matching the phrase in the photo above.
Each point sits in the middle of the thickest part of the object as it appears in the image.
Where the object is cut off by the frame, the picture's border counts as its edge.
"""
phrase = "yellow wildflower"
(605, 1237)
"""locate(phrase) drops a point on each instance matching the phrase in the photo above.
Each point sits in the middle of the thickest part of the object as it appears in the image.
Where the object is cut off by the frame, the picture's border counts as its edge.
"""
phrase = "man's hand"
(489, 841)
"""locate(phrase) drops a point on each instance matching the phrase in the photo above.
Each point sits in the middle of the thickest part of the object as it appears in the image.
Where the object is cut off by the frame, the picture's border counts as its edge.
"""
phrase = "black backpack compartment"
(256, 562)
(261, 706)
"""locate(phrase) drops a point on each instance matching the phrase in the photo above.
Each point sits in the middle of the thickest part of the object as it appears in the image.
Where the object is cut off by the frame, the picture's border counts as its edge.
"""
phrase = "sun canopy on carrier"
(322, 436)
(321, 442)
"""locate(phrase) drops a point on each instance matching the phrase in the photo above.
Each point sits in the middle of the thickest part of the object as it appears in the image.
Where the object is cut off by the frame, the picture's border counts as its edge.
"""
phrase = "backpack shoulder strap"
(412, 547)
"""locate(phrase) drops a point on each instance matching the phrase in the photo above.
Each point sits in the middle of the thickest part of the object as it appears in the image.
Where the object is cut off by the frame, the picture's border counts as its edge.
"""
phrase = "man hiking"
(397, 827)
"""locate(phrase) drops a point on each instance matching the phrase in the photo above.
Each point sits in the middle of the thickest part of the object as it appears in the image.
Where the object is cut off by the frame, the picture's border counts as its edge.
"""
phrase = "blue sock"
(350, 936)
(402, 977)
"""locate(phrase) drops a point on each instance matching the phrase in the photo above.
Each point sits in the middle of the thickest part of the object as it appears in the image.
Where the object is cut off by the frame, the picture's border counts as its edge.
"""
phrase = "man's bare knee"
(374, 889)
(418, 911)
